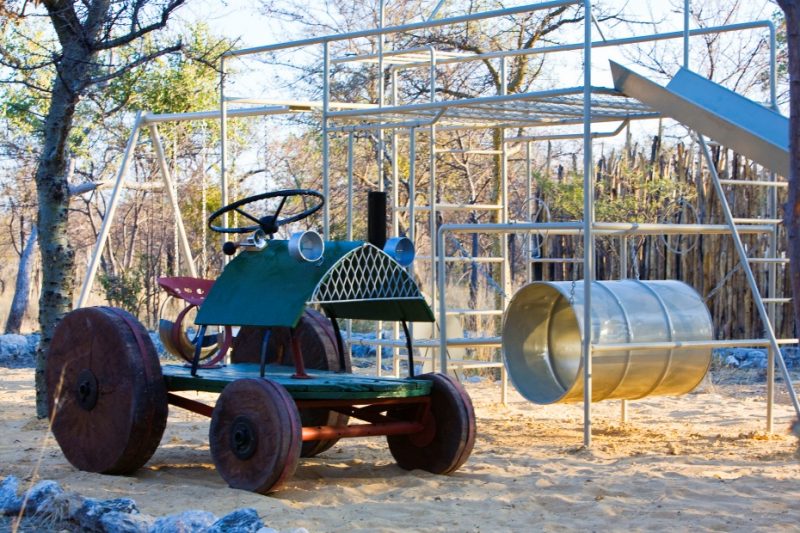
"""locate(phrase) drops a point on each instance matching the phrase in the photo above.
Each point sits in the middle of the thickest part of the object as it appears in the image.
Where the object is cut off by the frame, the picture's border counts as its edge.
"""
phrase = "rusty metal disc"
(255, 435)
(106, 394)
(318, 344)
(449, 435)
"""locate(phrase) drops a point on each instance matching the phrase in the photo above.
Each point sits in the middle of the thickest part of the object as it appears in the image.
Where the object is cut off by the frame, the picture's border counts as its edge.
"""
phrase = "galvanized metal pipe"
(572, 47)
(113, 202)
(216, 115)
(529, 197)
(381, 90)
(605, 228)
(395, 166)
(686, 34)
(588, 221)
(505, 268)
(412, 170)
(527, 8)
(350, 187)
(223, 148)
(326, 98)
(432, 191)
(568, 136)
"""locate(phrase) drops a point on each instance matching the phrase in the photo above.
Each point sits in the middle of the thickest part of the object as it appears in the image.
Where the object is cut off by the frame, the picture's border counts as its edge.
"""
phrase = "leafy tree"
(88, 44)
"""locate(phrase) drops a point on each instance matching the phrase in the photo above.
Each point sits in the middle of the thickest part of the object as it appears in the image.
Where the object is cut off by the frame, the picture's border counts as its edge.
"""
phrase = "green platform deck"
(323, 385)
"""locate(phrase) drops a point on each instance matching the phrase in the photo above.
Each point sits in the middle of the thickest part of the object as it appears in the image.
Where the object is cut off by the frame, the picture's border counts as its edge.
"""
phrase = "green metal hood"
(353, 280)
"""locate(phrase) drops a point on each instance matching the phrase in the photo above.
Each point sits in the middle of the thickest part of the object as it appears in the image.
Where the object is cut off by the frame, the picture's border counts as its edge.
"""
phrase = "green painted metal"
(322, 386)
(270, 288)
(267, 287)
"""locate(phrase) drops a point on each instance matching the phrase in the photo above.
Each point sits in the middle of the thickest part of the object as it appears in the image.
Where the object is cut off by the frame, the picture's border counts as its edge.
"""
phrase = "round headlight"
(401, 249)
(306, 246)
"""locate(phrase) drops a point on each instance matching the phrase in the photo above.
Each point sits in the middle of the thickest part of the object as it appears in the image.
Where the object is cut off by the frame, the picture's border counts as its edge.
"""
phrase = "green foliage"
(644, 198)
(123, 290)
(175, 83)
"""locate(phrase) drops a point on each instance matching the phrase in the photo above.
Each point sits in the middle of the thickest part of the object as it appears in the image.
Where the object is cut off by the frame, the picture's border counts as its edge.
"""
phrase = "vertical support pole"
(506, 265)
(395, 204)
(326, 95)
(381, 95)
(395, 166)
(505, 274)
(442, 305)
(623, 274)
(169, 183)
(588, 221)
(350, 186)
(432, 202)
(350, 234)
(113, 202)
(412, 176)
(686, 33)
(529, 199)
(223, 147)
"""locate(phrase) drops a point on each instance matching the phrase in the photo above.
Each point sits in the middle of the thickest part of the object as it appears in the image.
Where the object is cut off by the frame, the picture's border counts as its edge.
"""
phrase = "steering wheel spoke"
(247, 215)
(280, 207)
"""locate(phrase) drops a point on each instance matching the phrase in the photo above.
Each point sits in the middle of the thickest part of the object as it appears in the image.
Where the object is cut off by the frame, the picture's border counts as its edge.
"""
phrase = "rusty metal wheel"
(318, 344)
(107, 398)
(449, 435)
(255, 435)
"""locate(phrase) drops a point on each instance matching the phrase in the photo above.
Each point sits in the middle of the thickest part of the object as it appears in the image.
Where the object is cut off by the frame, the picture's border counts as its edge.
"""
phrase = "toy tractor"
(287, 390)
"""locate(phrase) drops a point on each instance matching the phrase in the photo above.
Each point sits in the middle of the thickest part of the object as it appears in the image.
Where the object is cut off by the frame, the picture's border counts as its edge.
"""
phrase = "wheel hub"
(87, 389)
(244, 438)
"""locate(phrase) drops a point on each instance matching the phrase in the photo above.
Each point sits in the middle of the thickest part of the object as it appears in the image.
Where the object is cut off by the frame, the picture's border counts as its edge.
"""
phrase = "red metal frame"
(368, 410)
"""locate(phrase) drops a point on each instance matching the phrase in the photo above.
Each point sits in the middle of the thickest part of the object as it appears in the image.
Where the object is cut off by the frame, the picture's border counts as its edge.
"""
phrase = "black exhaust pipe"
(376, 218)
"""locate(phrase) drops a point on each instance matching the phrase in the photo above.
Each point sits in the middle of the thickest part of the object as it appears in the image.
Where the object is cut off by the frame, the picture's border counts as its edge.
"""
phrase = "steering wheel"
(269, 224)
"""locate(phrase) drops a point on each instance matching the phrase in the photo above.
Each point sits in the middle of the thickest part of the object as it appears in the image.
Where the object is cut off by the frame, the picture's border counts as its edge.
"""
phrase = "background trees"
(74, 73)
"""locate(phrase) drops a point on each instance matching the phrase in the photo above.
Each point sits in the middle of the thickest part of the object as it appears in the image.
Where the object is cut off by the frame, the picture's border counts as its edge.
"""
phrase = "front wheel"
(448, 436)
(255, 435)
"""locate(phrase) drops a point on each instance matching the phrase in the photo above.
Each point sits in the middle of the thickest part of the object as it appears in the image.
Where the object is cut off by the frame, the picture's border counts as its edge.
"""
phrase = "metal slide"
(750, 128)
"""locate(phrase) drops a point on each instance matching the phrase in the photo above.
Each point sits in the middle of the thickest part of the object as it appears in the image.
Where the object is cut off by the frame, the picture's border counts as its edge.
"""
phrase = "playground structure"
(631, 98)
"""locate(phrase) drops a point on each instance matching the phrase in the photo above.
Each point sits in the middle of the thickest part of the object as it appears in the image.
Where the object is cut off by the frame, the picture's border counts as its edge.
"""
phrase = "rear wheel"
(448, 437)
(107, 398)
(320, 352)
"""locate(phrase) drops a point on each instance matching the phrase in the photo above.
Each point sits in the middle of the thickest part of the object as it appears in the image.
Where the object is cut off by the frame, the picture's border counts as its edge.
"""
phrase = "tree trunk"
(52, 186)
(58, 257)
(792, 208)
(22, 288)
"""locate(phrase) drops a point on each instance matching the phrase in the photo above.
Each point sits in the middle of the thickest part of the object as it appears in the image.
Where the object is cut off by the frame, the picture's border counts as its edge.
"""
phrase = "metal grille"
(366, 273)
(519, 110)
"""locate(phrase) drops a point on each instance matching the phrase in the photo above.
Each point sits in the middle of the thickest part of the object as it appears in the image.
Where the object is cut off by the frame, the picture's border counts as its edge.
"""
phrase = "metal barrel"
(543, 329)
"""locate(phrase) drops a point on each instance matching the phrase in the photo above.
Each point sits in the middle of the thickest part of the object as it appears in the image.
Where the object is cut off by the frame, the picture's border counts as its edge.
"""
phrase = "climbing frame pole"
(588, 221)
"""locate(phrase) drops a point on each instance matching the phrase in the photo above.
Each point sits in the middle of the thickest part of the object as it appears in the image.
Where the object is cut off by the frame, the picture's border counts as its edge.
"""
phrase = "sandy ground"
(699, 462)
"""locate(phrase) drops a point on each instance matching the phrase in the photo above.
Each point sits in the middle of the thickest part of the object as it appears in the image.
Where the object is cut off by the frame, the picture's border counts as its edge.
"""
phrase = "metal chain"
(575, 273)
(680, 204)
(635, 259)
